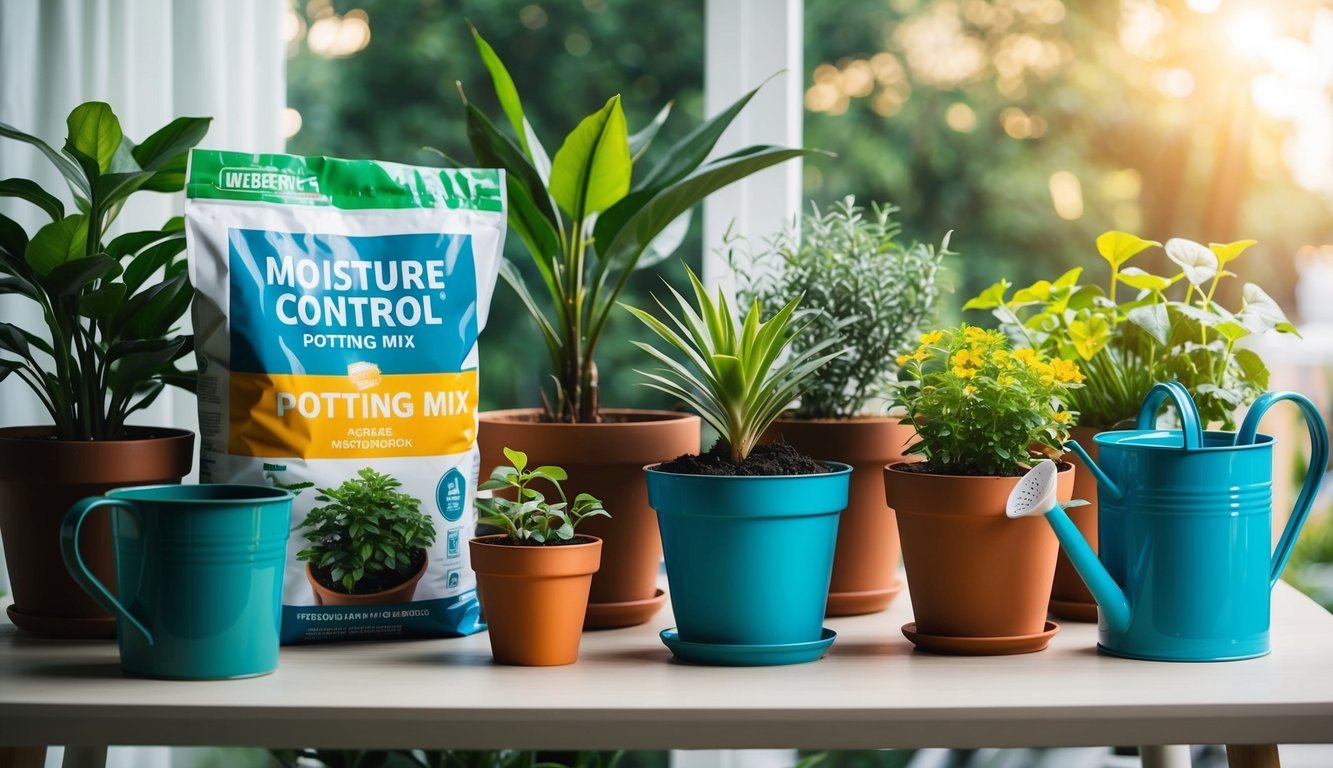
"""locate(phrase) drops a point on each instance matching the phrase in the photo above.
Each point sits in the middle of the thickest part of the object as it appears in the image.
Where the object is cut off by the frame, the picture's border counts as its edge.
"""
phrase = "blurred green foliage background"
(1026, 126)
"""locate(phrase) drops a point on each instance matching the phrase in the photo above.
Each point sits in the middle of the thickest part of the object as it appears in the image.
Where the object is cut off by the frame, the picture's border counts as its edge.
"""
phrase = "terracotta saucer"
(859, 603)
(1074, 610)
(627, 614)
(980, 646)
(101, 628)
(722, 655)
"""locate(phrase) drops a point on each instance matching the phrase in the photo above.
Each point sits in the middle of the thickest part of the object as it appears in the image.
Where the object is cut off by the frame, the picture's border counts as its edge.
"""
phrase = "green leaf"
(591, 170)
(170, 177)
(75, 275)
(1259, 312)
(1037, 293)
(14, 341)
(1143, 281)
(666, 242)
(94, 131)
(518, 459)
(1153, 319)
(1089, 335)
(1198, 263)
(171, 142)
(13, 243)
(640, 140)
(57, 243)
(1252, 366)
(552, 473)
(493, 149)
(133, 242)
(1228, 252)
(73, 176)
(112, 188)
(1231, 330)
(150, 261)
(990, 298)
(686, 155)
(1119, 247)
(25, 189)
(1068, 279)
(505, 91)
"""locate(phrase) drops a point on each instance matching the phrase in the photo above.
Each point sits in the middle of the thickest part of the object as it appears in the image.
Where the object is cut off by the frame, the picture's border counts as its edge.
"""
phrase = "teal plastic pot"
(748, 559)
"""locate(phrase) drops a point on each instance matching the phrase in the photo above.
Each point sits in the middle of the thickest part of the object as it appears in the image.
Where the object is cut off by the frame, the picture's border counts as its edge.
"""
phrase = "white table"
(871, 691)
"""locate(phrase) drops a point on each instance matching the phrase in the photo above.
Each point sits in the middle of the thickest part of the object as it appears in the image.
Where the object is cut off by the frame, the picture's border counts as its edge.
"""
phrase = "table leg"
(1252, 756)
(1165, 756)
(22, 757)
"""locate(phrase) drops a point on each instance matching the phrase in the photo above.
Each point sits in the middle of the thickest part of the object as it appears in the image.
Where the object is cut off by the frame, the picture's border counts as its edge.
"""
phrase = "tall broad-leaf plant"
(593, 214)
(109, 340)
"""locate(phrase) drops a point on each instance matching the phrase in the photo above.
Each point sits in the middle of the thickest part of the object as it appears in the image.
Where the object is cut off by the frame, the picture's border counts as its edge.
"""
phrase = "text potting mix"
(336, 319)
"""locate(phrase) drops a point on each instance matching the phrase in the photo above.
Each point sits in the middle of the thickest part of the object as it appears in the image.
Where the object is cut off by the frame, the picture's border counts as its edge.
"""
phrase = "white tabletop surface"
(871, 691)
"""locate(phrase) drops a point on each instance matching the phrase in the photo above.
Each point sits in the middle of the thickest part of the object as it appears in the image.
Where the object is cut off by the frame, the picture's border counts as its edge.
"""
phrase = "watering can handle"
(1185, 408)
(1314, 474)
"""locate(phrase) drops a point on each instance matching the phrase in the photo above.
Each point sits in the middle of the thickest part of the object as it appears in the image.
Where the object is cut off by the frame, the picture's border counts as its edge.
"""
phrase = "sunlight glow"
(1252, 30)
(1066, 195)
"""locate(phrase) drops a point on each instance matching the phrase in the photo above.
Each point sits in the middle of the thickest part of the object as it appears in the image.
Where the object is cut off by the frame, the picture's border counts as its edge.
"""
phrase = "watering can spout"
(1107, 486)
(1035, 495)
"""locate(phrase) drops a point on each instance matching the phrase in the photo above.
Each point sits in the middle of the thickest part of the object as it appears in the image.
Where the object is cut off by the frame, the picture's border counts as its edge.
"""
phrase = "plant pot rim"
(636, 417)
(835, 468)
(1063, 467)
(415, 577)
(492, 540)
(42, 434)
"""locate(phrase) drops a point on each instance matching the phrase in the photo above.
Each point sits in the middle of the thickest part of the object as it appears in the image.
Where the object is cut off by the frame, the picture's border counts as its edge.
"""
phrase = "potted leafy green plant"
(590, 216)
(108, 343)
(367, 542)
(875, 291)
(980, 410)
(533, 579)
(748, 529)
(1140, 329)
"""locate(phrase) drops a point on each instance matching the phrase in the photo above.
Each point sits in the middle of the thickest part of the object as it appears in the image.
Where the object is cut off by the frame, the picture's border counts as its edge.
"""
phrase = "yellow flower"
(902, 359)
(1025, 356)
(963, 372)
(976, 335)
(1067, 371)
(1045, 373)
(931, 338)
(1061, 417)
(1000, 356)
(964, 357)
(1004, 379)
(969, 390)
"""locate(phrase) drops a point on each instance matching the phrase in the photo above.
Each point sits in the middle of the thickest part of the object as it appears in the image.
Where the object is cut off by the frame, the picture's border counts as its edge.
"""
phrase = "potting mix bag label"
(336, 316)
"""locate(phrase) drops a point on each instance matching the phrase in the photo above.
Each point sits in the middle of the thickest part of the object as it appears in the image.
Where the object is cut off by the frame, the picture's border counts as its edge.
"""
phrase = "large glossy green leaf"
(131, 243)
(591, 170)
(94, 130)
(150, 261)
(77, 182)
(171, 142)
(690, 152)
(493, 149)
(170, 177)
(640, 140)
(101, 304)
(646, 223)
(1153, 319)
(73, 276)
(505, 90)
(57, 243)
(112, 188)
(26, 189)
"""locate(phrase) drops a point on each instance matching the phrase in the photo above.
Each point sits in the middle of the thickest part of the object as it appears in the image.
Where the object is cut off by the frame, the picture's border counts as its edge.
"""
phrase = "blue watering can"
(1186, 563)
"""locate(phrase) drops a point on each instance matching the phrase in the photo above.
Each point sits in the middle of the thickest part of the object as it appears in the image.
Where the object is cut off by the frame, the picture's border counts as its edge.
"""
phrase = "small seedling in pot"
(367, 533)
(528, 518)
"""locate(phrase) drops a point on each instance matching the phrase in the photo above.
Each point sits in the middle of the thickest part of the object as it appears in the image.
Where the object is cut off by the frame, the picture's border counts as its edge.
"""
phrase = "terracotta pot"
(392, 596)
(1070, 598)
(865, 566)
(533, 598)
(973, 572)
(40, 479)
(606, 460)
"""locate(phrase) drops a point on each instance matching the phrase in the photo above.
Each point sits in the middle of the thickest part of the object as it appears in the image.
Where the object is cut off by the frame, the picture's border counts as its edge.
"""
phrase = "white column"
(746, 41)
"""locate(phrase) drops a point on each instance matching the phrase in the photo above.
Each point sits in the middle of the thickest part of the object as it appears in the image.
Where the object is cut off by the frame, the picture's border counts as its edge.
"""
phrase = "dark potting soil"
(508, 542)
(776, 458)
(919, 467)
(372, 582)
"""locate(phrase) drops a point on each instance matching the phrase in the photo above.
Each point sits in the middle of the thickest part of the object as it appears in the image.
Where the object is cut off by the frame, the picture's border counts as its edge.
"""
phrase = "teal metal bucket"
(1185, 533)
(199, 573)
(749, 559)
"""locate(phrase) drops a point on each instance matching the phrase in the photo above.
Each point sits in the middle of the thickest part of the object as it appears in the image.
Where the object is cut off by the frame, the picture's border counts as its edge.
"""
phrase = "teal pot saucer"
(723, 655)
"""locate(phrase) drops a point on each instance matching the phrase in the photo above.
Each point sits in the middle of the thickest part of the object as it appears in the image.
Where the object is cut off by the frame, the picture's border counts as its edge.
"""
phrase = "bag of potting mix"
(336, 316)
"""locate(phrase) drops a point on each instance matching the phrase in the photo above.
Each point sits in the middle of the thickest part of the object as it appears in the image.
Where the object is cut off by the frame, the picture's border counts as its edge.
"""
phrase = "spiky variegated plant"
(739, 383)
(592, 215)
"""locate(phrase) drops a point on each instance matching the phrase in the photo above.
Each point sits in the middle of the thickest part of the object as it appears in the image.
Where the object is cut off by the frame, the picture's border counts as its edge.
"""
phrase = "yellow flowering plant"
(981, 407)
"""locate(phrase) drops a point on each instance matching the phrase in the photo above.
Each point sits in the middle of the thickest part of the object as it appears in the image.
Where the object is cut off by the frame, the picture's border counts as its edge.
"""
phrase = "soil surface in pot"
(372, 583)
(777, 458)
(508, 542)
(920, 468)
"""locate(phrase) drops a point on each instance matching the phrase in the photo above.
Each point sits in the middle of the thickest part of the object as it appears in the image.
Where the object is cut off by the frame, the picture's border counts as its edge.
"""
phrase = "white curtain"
(152, 61)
